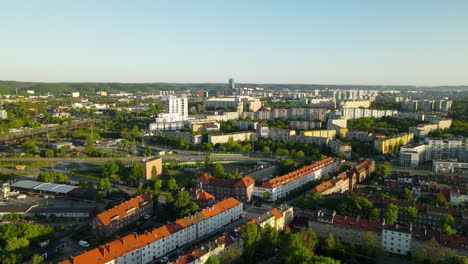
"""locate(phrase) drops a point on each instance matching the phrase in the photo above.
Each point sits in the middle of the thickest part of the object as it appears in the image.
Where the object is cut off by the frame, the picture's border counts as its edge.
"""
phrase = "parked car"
(83, 243)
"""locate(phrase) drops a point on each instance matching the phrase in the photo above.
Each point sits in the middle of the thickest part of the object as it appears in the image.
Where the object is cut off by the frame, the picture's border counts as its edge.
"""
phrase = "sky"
(417, 42)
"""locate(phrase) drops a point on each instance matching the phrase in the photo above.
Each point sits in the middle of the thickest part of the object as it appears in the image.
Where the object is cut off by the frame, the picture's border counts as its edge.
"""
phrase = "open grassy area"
(28, 164)
(92, 173)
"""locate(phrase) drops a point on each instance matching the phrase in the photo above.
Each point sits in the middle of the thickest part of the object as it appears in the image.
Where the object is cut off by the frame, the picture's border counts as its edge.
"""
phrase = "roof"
(357, 222)
(322, 187)
(245, 182)
(297, 174)
(123, 210)
(127, 244)
(453, 241)
(205, 177)
(276, 213)
(204, 196)
(16, 208)
(45, 187)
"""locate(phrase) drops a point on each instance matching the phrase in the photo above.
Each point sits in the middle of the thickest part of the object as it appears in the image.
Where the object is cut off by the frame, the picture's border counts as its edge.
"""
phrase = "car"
(83, 243)
(163, 260)
(146, 217)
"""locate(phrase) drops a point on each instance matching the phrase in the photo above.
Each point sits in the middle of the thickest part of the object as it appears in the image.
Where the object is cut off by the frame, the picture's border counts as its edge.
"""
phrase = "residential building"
(450, 166)
(353, 104)
(458, 197)
(396, 239)
(338, 147)
(443, 150)
(202, 198)
(225, 138)
(122, 215)
(176, 114)
(234, 102)
(192, 138)
(355, 113)
(277, 134)
(392, 144)
(75, 94)
(4, 189)
(319, 133)
(309, 114)
(277, 218)
(241, 189)
(148, 247)
(359, 135)
(305, 125)
(204, 126)
(281, 186)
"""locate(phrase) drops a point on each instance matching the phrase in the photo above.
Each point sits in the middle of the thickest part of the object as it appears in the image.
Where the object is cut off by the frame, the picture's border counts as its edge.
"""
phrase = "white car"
(83, 243)
(146, 217)
(163, 260)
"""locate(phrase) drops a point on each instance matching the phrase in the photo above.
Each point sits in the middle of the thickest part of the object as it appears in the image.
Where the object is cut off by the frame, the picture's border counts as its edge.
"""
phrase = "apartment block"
(241, 189)
(281, 186)
(319, 133)
(225, 138)
(392, 144)
(127, 213)
(148, 247)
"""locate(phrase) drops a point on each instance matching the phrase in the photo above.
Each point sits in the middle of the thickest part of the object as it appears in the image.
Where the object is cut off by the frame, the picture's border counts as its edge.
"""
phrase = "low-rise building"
(127, 213)
(192, 138)
(277, 134)
(337, 147)
(149, 164)
(396, 239)
(326, 133)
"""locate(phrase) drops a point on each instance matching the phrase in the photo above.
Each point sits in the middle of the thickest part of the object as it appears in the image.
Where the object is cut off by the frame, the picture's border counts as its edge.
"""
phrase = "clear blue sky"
(420, 42)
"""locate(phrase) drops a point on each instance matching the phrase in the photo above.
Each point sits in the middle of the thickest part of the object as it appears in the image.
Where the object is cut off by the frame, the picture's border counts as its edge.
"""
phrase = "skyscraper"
(232, 85)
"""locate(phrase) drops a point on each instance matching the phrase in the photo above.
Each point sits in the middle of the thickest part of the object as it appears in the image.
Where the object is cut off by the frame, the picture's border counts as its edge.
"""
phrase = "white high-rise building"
(176, 105)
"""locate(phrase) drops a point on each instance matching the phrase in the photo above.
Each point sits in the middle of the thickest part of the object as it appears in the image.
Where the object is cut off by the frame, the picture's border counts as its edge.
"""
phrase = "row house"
(148, 247)
(281, 186)
(241, 189)
(122, 215)
(278, 218)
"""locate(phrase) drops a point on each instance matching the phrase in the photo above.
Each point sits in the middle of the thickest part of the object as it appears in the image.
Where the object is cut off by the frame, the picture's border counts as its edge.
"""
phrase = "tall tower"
(232, 85)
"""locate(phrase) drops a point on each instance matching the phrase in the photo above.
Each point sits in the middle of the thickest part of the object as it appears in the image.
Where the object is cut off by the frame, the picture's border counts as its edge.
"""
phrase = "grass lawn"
(28, 164)
(92, 173)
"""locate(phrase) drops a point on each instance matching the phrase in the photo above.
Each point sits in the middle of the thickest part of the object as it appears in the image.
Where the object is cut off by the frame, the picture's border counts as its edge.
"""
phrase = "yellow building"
(392, 144)
(320, 133)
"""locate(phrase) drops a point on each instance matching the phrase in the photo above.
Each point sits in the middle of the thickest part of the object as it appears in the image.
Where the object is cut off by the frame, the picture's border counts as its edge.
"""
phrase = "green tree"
(207, 161)
(218, 170)
(148, 152)
(457, 259)
(90, 149)
(15, 243)
(287, 166)
(266, 195)
(369, 243)
(266, 149)
(294, 251)
(157, 184)
(182, 199)
(212, 260)
(309, 239)
(408, 214)
(172, 185)
(137, 172)
(269, 240)
(111, 168)
(323, 260)
(250, 239)
(382, 171)
(299, 154)
(407, 195)
(154, 172)
(36, 259)
(448, 223)
(390, 214)
(61, 178)
(45, 177)
(374, 214)
(104, 184)
(282, 152)
(49, 153)
(441, 200)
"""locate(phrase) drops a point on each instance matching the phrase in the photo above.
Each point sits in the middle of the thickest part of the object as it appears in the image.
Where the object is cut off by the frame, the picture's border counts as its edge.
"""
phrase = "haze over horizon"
(422, 43)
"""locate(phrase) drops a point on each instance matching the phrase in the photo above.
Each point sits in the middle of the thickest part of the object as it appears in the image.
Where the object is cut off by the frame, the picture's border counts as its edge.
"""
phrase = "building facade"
(241, 189)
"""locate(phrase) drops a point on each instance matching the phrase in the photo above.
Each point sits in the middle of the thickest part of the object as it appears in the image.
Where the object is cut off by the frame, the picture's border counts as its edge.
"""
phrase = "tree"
(390, 214)
(90, 149)
(207, 161)
(383, 170)
(294, 251)
(323, 260)
(148, 152)
(230, 255)
(49, 153)
(137, 172)
(218, 170)
(61, 178)
(408, 214)
(287, 166)
(104, 184)
(431, 253)
(299, 154)
(457, 259)
(266, 149)
(157, 184)
(266, 195)
(448, 223)
(172, 185)
(182, 199)
(369, 243)
(15, 243)
(282, 152)
(154, 172)
(212, 260)
(36, 259)
(407, 195)
(250, 239)
(111, 168)
(270, 239)
(441, 200)
(309, 239)
(374, 214)
(45, 177)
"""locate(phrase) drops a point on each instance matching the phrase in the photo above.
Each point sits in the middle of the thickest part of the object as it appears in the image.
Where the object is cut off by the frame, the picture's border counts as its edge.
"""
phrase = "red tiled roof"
(127, 244)
(205, 177)
(353, 222)
(297, 174)
(322, 187)
(204, 196)
(454, 241)
(245, 182)
(276, 213)
(123, 210)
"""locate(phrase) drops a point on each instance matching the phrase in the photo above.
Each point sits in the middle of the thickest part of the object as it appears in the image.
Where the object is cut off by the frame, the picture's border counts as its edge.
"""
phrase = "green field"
(91, 173)
(28, 164)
